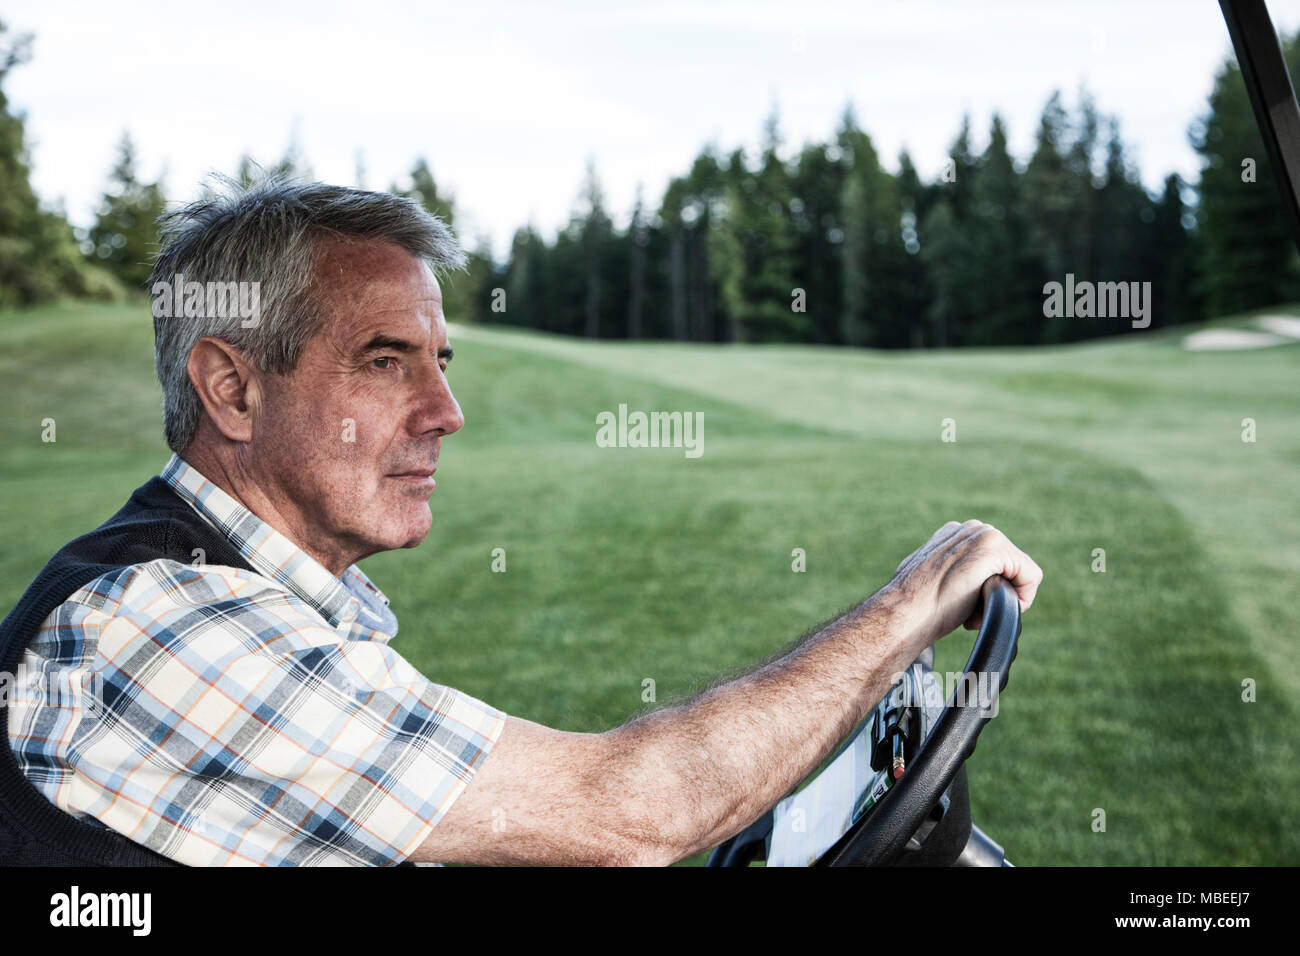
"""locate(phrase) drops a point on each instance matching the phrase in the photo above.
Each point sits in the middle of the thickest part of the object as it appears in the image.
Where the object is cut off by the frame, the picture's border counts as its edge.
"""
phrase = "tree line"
(826, 244)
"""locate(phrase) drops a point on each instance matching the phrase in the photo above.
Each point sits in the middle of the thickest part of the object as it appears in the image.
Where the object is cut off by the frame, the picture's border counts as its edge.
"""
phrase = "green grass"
(632, 564)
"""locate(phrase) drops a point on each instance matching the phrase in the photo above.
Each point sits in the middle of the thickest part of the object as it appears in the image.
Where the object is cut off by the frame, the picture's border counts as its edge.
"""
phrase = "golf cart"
(896, 794)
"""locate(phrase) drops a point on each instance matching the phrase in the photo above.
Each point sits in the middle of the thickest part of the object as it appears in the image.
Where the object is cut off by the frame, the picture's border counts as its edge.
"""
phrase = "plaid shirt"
(221, 717)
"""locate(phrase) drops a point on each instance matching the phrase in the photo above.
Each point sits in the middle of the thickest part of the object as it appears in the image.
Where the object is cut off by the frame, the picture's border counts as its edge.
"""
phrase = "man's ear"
(224, 381)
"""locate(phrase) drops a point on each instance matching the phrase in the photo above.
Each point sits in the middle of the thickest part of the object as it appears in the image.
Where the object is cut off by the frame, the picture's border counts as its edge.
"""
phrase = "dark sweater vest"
(154, 523)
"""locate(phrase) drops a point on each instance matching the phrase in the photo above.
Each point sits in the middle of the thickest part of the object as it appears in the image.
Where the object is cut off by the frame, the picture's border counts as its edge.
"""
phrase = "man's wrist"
(896, 612)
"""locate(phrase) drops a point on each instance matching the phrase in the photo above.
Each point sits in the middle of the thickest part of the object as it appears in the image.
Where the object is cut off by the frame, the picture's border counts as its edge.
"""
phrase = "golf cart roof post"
(1271, 94)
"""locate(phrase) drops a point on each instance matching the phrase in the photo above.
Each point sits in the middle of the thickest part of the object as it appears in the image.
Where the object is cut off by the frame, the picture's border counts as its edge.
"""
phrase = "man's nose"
(439, 412)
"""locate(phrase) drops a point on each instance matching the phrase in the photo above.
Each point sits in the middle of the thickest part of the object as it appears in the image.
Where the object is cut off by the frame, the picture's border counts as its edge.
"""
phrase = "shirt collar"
(351, 600)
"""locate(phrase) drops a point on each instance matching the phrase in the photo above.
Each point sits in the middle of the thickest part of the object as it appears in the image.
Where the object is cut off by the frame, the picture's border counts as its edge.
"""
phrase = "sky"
(509, 102)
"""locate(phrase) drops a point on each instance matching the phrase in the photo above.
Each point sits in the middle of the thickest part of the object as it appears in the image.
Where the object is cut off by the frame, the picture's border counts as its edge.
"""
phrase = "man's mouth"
(416, 477)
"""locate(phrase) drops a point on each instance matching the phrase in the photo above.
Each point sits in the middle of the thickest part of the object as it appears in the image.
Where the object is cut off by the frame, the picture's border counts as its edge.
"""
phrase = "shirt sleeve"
(240, 729)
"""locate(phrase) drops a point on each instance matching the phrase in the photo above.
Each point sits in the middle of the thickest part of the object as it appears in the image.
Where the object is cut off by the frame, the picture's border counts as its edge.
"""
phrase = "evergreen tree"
(568, 282)
(124, 238)
(918, 196)
(39, 260)
(1005, 291)
(638, 240)
(1084, 238)
(1174, 252)
(692, 217)
(960, 170)
(1050, 200)
(818, 184)
(526, 282)
(916, 199)
(1125, 232)
(949, 251)
(466, 296)
(759, 220)
(1248, 253)
(594, 230)
(674, 213)
(872, 255)
(947, 254)
(706, 187)
(424, 190)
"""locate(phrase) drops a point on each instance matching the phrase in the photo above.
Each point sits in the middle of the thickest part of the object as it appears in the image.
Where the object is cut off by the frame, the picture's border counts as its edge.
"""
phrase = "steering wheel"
(880, 837)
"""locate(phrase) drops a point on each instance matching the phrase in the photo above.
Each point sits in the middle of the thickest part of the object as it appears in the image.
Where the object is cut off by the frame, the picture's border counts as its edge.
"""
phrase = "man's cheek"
(360, 455)
(348, 435)
(350, 447)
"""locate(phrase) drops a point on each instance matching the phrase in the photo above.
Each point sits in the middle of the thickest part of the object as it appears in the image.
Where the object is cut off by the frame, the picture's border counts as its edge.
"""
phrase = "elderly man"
(217, 683)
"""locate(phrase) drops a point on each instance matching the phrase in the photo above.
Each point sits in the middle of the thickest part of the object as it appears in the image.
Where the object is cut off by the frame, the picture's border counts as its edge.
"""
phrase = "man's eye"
(385, 359)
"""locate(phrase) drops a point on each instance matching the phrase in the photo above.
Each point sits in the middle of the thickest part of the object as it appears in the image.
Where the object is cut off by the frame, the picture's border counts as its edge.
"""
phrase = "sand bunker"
(1277, 330)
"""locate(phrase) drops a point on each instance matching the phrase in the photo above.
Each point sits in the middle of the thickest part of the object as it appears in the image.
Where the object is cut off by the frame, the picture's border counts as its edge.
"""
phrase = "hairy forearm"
(707, 768)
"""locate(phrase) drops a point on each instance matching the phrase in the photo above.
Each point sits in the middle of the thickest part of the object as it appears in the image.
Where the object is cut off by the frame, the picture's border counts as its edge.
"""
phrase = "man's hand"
(942, 579)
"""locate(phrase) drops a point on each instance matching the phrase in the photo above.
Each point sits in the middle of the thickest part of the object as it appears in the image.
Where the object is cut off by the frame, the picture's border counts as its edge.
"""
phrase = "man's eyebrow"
(387, 343)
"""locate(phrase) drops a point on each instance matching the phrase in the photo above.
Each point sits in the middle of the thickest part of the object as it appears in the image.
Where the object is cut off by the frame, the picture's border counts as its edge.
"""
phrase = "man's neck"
(228, 472)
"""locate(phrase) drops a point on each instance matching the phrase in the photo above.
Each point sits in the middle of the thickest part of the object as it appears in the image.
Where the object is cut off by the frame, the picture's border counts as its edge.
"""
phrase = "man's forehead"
(369, 287)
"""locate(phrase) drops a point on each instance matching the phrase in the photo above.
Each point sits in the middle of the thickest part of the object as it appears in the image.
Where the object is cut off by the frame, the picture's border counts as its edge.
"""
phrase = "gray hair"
(267, 234)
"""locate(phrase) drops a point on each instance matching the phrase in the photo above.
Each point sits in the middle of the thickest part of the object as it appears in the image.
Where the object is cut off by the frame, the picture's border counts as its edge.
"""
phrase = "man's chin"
(395, 525)
(414, 542)
(416, 527)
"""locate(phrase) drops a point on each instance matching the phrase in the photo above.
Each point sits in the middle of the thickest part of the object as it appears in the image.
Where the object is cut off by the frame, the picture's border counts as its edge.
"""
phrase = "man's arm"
(683, 779)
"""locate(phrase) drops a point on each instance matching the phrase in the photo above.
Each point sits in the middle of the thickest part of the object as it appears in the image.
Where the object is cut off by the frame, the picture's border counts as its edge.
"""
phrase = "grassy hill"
(627, 564)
